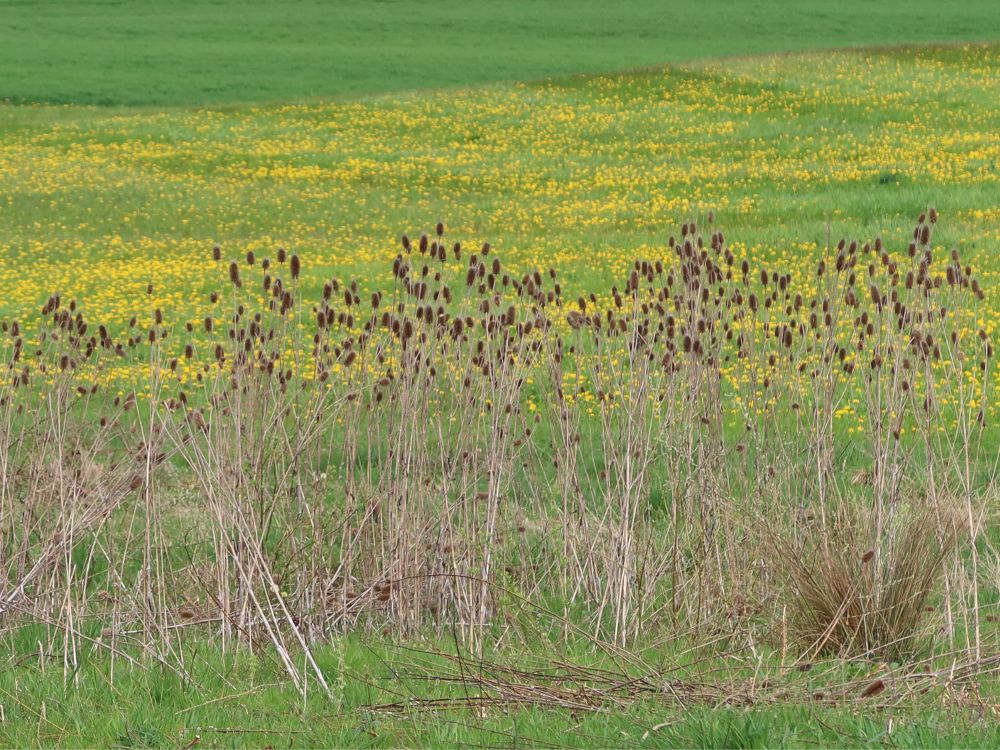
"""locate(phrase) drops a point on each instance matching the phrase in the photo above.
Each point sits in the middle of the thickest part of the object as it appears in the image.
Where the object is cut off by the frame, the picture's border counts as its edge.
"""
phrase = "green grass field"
(135, 135)
(184, 52)
(242, 702)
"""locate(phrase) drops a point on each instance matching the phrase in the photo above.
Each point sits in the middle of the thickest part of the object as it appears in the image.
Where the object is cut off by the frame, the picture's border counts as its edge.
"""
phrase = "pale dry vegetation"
(465, 445)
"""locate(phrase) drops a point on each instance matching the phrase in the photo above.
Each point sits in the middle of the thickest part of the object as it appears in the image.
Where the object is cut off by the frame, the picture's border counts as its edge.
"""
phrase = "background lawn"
(182, 52)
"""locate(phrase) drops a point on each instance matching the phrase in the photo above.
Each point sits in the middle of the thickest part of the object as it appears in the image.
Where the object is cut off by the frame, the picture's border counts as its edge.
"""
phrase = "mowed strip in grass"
(182, 52)
(583, 175)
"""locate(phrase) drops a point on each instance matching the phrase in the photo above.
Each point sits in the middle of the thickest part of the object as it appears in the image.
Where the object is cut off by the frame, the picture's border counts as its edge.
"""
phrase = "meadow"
(648, 408)
(583, 174)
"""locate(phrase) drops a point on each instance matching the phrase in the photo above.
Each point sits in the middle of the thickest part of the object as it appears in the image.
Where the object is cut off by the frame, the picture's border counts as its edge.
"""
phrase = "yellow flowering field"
(791, 152)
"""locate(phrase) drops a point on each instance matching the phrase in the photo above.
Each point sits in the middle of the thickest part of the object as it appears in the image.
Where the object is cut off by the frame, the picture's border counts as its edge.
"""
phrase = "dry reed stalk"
(384, 460)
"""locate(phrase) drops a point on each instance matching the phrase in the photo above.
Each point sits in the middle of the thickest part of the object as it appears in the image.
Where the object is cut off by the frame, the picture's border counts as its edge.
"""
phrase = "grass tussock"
(853, 595)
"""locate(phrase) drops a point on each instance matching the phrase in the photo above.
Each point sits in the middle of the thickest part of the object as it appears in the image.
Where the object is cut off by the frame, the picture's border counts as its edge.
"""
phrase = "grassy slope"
(178, 52)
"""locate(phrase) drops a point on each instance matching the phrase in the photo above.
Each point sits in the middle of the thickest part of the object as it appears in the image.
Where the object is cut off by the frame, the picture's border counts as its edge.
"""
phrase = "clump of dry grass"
(852, 594)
